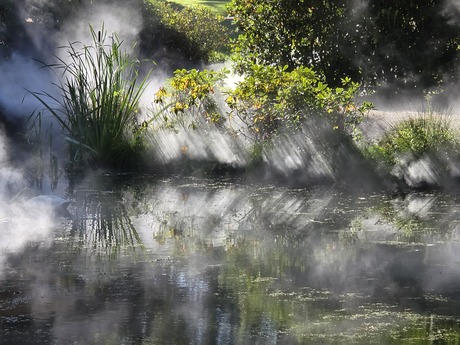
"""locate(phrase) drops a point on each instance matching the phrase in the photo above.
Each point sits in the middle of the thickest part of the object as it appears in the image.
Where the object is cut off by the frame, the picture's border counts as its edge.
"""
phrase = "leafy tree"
(291, 33)
(403, 43)
(411, 43)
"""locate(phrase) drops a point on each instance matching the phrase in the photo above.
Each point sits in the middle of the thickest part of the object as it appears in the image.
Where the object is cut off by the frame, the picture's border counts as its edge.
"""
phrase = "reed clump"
(98, 103)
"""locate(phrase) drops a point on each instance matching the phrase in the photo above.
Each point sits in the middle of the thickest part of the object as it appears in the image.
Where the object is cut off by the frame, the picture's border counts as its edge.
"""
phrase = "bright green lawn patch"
(219, 6)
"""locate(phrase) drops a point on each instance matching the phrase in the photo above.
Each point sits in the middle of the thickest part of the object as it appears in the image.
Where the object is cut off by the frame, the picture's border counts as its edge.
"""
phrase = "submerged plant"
(99, 102)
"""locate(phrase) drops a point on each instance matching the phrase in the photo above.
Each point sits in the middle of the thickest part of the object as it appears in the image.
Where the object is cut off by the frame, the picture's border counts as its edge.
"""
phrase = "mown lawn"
(216, 5)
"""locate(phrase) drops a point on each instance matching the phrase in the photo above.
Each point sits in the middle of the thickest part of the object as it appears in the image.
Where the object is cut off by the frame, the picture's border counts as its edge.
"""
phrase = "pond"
(143, 260)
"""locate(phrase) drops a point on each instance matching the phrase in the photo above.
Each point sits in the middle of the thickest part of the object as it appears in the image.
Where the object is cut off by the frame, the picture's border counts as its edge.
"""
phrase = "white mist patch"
(299, 153)
(20, 222)
(9, 178)
(420, 171)
(19, 74)
(420, 205)
(429, 170)
(202, 141)
(117, 18)
(202, 144)
(190, 211)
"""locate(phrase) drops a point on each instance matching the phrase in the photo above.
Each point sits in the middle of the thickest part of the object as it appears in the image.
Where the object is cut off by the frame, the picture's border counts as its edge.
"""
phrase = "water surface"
(195, 261)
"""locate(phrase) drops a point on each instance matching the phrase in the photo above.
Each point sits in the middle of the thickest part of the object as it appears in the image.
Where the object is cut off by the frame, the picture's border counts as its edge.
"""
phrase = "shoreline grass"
(100, 95)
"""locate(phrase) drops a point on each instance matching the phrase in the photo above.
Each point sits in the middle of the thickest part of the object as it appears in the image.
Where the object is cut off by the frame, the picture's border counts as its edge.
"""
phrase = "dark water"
(214, 262)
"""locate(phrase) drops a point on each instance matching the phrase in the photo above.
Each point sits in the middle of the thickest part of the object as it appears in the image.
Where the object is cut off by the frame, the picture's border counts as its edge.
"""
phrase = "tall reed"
(98, 102)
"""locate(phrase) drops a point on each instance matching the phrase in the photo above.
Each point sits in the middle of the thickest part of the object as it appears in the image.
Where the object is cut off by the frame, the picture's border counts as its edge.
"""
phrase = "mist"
(281, 255)
(22, 221)
(208, 247)
(24, 67)
(307, 151)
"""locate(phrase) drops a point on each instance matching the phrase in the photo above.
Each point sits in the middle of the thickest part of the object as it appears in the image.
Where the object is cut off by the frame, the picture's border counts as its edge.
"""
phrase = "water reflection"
(102, 220)
(218, 262)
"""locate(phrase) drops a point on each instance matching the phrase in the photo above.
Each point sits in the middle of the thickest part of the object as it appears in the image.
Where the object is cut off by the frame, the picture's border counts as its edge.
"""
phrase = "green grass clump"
(99, 102)
(414, 137)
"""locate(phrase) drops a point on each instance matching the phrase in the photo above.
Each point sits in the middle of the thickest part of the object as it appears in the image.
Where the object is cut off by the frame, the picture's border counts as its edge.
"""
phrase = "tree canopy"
(405, 44)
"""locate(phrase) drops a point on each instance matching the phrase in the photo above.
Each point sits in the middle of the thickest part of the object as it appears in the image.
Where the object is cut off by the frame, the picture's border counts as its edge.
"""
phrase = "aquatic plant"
(99, 102)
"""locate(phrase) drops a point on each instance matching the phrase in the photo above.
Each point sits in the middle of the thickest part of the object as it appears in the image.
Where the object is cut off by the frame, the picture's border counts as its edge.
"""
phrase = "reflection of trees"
(413, 218)
(286, 261)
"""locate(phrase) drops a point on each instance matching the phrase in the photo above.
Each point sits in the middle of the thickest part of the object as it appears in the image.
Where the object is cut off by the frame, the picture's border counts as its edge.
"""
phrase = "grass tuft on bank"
(98, 102)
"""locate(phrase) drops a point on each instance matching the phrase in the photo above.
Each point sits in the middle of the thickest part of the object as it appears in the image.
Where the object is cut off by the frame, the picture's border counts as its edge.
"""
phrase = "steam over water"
(209, 261)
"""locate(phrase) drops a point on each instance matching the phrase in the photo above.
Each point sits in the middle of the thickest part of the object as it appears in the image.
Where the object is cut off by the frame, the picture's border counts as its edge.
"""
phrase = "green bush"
(403, 44)
(414, 137)
(272, 97)
(188, 98)
(196, 33)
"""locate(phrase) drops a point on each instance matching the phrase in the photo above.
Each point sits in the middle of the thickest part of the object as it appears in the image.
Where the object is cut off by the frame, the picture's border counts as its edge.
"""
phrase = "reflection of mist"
(20, 222)
(223, 262)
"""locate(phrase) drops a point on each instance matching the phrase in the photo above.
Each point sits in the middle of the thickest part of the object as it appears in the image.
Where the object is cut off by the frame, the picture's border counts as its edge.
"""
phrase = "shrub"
(190, 93)
(414, 137)
(271, 97)
(196, 33)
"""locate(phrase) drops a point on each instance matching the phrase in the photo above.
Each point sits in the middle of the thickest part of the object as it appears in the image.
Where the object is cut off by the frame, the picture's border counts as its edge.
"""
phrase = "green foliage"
(190, 92)
(411, 43)
(414, 137)
(218, 6)
(100, 99)
(271, 97)
(267, 99)
(404, 43)
(196, 32)
(202, 29)
(290, 33)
